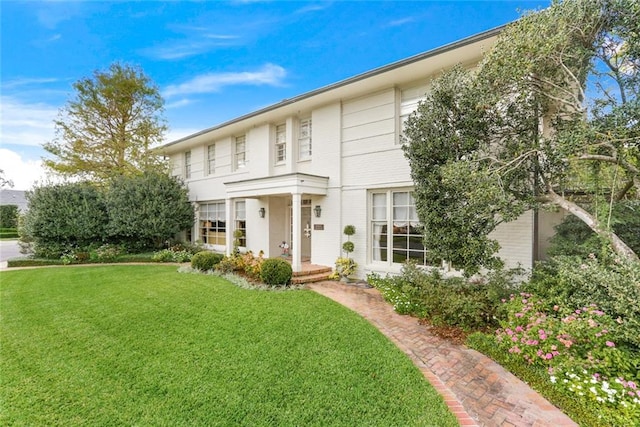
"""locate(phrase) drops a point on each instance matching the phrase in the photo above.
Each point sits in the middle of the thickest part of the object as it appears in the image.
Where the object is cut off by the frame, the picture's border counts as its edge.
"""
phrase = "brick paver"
(477, 390)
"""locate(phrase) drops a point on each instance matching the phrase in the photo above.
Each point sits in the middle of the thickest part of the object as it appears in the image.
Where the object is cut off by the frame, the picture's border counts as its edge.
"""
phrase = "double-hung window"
(304, 139)
(213, 227)
(240, 153)
(187, 165)
(396, 233)
(211, 159)
(281, 143)
(409, 100)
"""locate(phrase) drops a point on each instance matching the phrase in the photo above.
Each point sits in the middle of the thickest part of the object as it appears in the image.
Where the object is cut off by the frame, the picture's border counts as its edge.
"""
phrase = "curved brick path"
(477, 390)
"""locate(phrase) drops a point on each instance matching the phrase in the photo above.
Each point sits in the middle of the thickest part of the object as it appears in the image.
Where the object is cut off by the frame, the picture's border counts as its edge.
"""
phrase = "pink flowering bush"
(577, 350)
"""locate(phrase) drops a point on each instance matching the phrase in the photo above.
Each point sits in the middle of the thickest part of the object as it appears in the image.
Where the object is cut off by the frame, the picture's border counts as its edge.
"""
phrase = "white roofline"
(394, 65)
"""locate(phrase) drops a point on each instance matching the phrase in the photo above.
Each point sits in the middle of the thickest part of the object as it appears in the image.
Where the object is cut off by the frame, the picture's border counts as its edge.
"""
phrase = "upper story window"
(187, 165)
(409, 100)
(211, 159)
(281, 143)
(304, 139)
(240, 154)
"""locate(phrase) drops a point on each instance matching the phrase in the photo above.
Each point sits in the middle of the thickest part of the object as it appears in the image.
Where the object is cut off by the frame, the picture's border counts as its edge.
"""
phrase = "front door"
(305, 229)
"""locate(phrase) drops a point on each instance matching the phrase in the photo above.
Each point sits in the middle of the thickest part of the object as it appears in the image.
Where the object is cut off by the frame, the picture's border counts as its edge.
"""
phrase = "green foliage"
(537, 378)
(4, 182)
(147, 210)
(349, 230)
(450, 301)
(345, 267)
(276, 272)
(106, 253)
(8, 216)
(348, 247)
(481, 146)
(613, 286)
(8, 233)
(206, 260)
(578, 350)
(573, 237)
(457, 200)
(108, 128)
(169, 255)
(64, 217)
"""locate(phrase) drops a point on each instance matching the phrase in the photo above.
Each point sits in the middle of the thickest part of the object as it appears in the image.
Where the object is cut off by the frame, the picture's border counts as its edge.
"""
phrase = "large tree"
(551, 116)
(109, 127)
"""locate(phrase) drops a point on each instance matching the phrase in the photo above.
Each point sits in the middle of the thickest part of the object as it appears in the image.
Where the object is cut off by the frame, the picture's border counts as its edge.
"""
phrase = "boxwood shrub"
(206, 260)
(276, 272)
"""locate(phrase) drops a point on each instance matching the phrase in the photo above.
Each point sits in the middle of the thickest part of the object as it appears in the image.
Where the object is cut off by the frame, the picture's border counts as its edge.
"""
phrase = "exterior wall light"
(261, 212)
(317, 210)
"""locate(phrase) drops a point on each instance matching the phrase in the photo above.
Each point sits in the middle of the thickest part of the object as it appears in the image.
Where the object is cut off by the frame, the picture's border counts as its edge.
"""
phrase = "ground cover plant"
(145, 345)
(571, 332)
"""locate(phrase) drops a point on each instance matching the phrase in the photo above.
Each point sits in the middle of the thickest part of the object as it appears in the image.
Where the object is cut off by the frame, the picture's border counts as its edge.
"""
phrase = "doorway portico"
(276, 194)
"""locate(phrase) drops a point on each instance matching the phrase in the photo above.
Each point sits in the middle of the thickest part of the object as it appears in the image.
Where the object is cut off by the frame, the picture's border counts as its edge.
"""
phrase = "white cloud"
(196, 45)
(23, 172)
(178, 104)
(26, 123)
(399, 22)
(269, 74)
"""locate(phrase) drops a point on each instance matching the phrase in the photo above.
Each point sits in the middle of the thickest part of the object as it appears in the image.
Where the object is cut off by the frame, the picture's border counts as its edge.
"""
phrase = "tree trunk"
(617, 244)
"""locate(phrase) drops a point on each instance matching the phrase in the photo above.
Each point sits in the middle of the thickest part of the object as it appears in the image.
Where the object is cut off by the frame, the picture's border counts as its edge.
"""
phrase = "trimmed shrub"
(276, 272)
(206, 260)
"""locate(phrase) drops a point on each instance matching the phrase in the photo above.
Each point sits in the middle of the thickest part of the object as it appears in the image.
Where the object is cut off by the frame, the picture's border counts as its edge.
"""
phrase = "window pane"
(401, 198)
(379, 204)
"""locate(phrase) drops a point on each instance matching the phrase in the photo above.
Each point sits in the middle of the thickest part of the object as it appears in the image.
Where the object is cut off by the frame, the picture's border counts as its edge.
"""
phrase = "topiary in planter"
(276, 272)
(205, 260)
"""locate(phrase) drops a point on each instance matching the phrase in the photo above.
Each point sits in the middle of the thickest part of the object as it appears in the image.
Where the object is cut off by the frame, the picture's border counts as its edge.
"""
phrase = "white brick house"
(300, 170)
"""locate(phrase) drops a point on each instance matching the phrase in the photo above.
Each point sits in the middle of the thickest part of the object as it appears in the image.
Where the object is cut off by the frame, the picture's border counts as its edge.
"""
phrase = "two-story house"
(300, 170)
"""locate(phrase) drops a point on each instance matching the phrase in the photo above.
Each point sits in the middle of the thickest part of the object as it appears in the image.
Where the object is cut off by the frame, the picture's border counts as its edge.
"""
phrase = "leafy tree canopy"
(108, 128)
(551, 116)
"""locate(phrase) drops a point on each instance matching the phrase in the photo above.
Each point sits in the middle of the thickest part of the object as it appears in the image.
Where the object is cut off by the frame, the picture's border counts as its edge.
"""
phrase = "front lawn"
(145, 345)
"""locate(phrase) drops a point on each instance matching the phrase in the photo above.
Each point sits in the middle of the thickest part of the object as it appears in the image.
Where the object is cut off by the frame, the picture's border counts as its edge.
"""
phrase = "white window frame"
(187, 164)
(386, 215)
(304, 139)
(240, 155)
(211, 222)
(240, 211)
(211, 159)
(409, 99)
(281, 143)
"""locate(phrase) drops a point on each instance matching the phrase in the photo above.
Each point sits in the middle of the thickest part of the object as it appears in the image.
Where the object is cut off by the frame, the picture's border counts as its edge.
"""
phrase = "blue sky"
(212, 61)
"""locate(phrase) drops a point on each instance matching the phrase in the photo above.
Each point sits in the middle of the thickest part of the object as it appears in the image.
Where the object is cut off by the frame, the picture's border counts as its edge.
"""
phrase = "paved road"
(9, 249)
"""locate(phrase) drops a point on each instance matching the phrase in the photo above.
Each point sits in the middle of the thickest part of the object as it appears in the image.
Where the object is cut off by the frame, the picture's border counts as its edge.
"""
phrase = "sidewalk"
(477, 390)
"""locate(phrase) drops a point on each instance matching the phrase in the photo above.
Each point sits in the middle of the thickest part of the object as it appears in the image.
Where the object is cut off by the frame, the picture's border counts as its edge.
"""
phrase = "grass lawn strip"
(145, 345)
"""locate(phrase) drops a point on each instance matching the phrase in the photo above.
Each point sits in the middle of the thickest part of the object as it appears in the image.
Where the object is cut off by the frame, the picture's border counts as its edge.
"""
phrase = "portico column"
(296, 245)
(229, 225)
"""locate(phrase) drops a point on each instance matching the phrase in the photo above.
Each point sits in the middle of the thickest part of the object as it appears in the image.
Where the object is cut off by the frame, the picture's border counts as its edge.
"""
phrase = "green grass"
(145, 345)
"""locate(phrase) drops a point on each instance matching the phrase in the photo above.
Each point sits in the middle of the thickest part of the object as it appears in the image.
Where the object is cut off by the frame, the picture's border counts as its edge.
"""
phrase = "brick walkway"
(477, 390)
